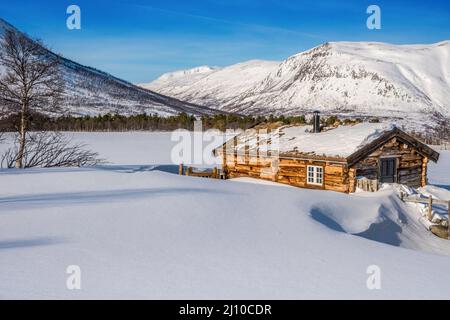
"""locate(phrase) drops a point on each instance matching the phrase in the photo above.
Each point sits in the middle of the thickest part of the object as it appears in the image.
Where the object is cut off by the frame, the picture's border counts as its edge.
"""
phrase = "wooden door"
(388, 170)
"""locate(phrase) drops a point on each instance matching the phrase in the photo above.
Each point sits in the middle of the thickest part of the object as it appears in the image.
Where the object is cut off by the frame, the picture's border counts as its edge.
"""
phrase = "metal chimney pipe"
(316, 122)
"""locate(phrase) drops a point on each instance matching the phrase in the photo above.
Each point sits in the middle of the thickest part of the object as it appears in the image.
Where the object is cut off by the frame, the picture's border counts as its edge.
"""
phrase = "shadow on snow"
(386, 230)
(26, 243)
(74, 198)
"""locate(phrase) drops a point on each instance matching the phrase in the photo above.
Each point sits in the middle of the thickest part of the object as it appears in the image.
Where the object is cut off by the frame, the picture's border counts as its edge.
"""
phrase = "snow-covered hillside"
(350, 78)
(181, 79)
(91, 92)
(213, 86)
(138, 231)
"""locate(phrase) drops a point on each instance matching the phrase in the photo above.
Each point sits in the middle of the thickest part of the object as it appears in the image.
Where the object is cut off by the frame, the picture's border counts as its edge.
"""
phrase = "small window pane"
(315, 175)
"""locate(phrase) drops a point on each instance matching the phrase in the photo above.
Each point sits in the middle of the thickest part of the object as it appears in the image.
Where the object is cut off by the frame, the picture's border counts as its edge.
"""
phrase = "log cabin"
(339, 159)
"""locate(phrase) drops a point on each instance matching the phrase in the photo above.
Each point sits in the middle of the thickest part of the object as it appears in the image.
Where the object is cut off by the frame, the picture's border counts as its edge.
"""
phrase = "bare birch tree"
(29, 82)
(49, 150)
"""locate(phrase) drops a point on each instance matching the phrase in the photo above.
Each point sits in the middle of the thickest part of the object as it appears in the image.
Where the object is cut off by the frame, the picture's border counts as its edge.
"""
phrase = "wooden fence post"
(430, 208)
(215, 173)
(448, 220)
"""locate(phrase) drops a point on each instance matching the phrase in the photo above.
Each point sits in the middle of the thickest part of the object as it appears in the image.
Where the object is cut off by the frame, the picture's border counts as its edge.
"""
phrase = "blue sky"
(138, 40)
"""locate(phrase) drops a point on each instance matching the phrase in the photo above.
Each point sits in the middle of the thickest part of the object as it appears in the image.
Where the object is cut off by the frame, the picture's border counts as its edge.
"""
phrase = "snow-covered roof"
(339, 142)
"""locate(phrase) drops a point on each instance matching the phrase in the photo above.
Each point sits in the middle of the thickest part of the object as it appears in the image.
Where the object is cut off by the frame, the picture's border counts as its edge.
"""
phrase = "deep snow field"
(136, 230)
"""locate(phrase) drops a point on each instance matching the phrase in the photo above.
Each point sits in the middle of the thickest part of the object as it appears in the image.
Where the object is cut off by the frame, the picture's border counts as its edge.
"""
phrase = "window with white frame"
(315, 175)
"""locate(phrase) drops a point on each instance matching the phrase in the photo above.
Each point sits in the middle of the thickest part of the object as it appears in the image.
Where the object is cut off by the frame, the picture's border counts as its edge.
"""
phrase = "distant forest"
(144, 122)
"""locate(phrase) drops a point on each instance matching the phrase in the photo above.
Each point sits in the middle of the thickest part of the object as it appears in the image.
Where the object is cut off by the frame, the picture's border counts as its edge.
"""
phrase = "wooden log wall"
(411, 166)
(424, 179)
(289, 171)
(352, 180)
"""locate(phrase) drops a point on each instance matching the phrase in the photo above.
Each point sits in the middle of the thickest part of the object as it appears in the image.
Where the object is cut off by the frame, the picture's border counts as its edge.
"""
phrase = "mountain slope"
(181, 79)
(372, 78)
(213, 87)
(90, 92)
(354, 78)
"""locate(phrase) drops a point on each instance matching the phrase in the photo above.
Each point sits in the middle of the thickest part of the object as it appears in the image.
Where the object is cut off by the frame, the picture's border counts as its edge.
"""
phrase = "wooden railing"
(208, 173)
(429, 202)
(367, 185)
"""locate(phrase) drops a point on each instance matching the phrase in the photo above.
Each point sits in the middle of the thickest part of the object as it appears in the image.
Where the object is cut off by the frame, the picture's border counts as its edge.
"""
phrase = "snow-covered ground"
(138, 231)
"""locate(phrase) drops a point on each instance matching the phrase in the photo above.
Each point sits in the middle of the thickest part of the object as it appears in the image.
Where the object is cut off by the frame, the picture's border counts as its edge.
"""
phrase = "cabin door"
(388, 170)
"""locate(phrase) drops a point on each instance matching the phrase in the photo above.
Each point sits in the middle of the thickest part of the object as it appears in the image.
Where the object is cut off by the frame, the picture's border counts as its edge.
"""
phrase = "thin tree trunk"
(22, 139)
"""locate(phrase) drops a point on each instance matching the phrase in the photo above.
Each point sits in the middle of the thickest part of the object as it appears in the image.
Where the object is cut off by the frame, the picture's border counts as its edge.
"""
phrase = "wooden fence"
(429, 202)
(367, 184)
(204, 173)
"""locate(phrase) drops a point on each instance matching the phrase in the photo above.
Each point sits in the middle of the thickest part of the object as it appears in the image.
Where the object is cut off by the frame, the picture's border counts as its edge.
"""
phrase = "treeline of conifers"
(145, 122)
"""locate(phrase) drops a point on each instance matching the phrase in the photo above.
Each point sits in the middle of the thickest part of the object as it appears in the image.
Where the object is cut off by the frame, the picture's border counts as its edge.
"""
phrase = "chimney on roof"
(316, 122)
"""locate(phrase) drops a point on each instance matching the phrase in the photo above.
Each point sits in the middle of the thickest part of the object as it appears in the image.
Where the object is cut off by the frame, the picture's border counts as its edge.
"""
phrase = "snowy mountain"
(409, 82)
(184, 77)
(213, 87)
(353, 78)
(90, 92)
